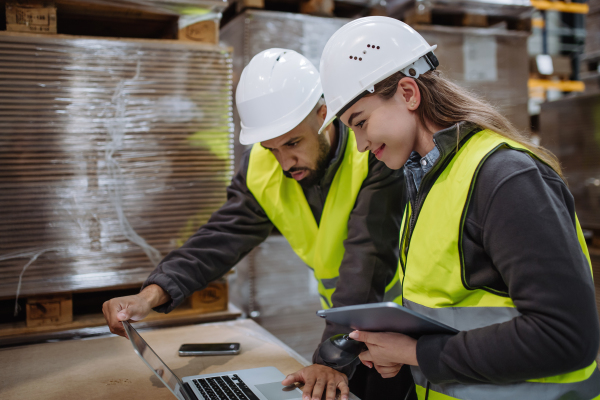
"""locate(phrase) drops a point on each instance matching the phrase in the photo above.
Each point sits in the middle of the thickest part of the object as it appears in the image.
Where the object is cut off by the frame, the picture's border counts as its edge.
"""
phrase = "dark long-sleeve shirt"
(519, 239)
(371, 249)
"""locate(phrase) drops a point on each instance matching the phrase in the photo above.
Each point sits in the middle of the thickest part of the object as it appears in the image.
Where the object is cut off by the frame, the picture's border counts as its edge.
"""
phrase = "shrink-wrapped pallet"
(112, 153)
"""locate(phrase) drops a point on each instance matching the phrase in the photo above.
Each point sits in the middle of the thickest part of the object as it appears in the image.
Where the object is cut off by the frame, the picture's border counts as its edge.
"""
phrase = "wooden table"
(108, 368)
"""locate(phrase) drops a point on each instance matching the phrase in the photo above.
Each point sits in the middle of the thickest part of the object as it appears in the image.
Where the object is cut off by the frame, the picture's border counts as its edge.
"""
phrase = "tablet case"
(385, 317)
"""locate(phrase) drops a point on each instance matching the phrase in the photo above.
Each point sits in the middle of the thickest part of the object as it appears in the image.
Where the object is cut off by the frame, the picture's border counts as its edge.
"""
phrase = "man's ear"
(322, 113)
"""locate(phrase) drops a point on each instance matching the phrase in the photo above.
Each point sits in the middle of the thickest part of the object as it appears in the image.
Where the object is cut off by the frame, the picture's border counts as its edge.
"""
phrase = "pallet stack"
(112, 153)
(509, 14)
(590, 60)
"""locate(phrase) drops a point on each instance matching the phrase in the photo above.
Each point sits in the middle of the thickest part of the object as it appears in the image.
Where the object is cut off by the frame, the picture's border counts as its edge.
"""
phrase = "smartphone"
(209, 349)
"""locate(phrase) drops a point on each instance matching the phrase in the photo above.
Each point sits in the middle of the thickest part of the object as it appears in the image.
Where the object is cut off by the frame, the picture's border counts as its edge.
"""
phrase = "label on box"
(30, 19)
(479, 57)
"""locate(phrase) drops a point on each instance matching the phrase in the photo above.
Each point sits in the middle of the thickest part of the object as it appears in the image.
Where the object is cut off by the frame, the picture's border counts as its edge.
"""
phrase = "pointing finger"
(292, 378)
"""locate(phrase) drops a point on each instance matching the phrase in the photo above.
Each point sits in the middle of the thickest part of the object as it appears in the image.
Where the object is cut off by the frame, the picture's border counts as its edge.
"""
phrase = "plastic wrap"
(112, 153)
(173, 7)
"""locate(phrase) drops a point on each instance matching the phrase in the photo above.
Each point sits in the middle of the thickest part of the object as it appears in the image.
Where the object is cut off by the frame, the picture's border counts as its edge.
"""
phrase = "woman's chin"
(395, 163)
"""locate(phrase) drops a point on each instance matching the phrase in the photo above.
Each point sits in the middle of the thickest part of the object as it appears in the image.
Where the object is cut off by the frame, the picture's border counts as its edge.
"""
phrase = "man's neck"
(332, 138)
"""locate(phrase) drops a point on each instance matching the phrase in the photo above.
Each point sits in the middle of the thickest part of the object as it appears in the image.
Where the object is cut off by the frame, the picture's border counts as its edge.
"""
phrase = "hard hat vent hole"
(377, 47)
(412, 72)
(364, 52)
(368, 45)
(351, 57)
(355, 58)
(360, 59)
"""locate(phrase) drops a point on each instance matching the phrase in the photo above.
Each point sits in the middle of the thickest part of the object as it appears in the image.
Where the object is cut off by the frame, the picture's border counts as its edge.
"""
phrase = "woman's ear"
(409, 90)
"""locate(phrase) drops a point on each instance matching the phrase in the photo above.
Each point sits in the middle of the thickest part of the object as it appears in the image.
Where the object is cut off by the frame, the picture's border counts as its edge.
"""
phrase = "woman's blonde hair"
(444, 103)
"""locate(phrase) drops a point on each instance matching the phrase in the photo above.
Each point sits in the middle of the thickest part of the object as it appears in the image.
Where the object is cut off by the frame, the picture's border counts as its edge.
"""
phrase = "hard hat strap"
(419, 67)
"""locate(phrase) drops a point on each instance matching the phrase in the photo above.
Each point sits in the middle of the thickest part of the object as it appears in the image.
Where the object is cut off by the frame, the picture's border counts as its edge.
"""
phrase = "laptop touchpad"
(276, 391)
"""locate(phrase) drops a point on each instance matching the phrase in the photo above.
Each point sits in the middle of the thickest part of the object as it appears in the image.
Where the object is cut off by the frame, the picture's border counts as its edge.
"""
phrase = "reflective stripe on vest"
(434, 282)
(321, 246)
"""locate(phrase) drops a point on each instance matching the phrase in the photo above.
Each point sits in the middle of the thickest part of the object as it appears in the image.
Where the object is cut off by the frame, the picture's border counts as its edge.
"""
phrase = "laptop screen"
(153, 361)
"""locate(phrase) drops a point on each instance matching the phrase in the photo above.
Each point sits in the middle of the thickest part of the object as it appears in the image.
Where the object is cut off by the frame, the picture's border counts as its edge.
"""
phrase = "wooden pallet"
(323, 8)
(465, 19)
(110, 19)
(467, 14)
(73, 310)
(590, 65)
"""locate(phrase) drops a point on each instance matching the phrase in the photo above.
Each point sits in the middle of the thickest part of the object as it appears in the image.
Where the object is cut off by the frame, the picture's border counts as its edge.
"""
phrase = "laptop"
(249, 384)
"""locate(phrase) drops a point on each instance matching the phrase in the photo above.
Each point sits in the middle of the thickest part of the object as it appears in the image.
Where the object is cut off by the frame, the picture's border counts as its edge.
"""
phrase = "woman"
(491, 244)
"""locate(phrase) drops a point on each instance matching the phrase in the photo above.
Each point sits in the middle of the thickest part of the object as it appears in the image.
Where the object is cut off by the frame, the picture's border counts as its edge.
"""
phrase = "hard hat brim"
(249, 135)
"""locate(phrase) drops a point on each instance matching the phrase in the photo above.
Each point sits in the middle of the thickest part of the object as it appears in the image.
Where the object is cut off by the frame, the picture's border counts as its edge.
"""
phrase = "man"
(339, 209)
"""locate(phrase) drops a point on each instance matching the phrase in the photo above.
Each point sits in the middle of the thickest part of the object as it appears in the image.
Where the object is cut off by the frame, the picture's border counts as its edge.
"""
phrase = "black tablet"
(385, 317)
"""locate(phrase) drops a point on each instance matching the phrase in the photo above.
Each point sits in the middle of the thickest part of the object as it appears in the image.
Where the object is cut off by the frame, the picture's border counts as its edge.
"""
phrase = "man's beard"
(314, 176)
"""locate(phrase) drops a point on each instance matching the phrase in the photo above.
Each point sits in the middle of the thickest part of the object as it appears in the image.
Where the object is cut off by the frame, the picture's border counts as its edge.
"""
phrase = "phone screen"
(210, 347)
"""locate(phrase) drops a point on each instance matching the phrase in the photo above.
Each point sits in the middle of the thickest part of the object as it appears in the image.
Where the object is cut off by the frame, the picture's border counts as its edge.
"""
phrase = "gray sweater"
(371, 249)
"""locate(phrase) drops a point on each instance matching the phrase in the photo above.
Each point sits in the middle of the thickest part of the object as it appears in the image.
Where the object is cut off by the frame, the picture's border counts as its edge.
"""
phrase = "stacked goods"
(569, 128)
(510, 14)
(491, 62)
(112, 153)
(592, 27)
(590, 65)
(190, 20)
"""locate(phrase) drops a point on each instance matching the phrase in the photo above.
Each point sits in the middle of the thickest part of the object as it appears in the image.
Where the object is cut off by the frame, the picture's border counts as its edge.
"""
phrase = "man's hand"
(318, 378)
(133, 308)
(387, 351)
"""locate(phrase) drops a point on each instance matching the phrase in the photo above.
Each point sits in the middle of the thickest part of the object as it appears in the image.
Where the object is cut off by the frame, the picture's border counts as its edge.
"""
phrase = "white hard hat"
(277, 90)
(364, 52)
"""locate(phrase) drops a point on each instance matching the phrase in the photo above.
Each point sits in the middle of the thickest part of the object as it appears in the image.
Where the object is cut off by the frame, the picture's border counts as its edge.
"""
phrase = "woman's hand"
(387, 351)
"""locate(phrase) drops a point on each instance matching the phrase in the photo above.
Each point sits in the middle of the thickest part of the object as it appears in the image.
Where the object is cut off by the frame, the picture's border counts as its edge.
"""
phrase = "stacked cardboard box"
(112, 153)
(491, 62)
(590, 65)
(569, 128)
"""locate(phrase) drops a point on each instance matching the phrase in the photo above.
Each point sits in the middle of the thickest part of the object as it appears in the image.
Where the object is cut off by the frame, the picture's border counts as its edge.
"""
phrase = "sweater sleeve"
(371, 249)
(522, 216)
(231, 232)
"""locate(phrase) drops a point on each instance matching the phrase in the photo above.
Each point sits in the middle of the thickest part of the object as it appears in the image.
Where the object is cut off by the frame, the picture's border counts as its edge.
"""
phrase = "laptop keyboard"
(224, 388)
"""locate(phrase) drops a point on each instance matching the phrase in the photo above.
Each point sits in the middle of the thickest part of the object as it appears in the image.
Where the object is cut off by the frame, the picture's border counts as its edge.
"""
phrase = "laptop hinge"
(187, 392)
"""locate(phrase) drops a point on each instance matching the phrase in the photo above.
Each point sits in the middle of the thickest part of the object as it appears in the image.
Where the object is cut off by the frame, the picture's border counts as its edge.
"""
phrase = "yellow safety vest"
(433, 284)
(321, 246)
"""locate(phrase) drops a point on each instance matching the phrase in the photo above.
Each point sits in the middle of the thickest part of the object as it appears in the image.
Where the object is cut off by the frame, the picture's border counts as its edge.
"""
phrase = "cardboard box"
(31, 17)
(491, 62)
